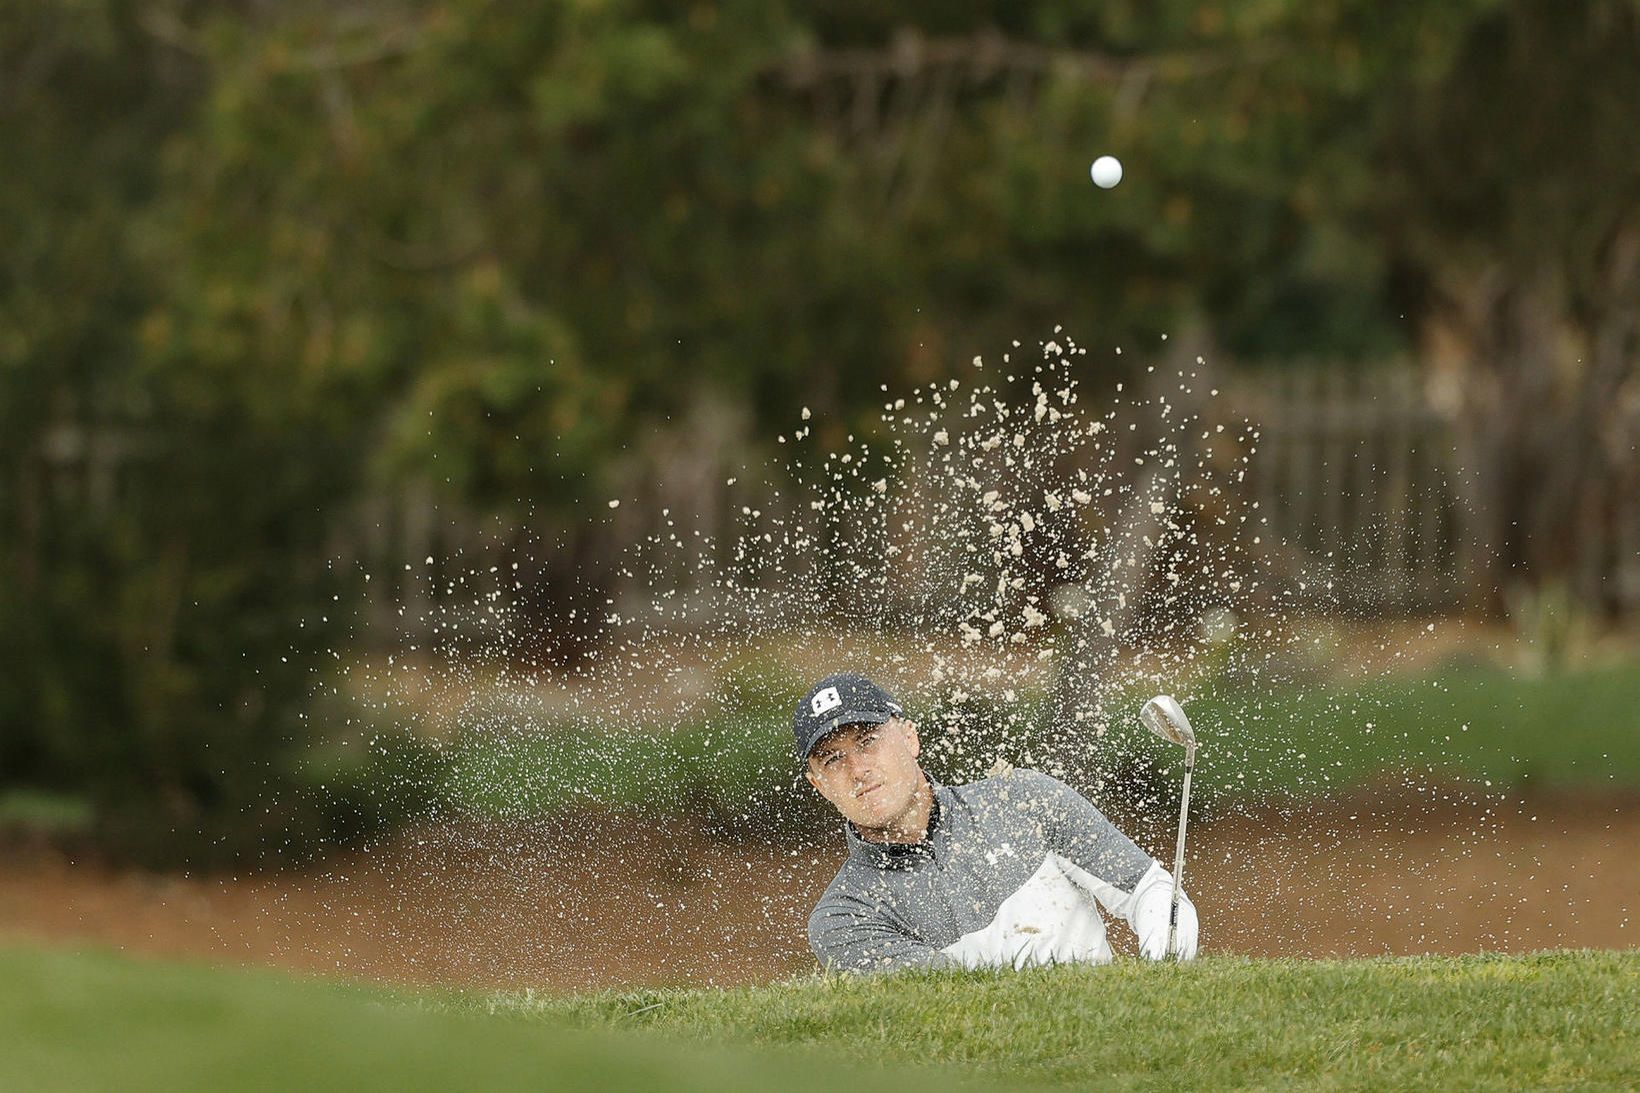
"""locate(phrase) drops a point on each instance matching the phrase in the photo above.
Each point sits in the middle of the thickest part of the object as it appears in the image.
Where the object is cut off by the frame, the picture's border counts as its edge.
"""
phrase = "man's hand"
(1152, 906)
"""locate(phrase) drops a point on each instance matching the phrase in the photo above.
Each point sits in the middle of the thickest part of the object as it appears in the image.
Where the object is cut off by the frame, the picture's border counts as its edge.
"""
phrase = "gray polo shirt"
(1009, 874)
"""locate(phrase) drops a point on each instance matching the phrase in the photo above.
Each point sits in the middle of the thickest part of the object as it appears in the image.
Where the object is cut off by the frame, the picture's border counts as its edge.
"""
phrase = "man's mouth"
(869, 790)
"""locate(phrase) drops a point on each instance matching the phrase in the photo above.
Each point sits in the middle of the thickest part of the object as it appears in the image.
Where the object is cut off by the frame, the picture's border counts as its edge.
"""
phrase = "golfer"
(1004, 871)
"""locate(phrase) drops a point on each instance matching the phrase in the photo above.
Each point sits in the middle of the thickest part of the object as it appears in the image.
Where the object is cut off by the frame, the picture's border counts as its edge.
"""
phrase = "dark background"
(266, 265)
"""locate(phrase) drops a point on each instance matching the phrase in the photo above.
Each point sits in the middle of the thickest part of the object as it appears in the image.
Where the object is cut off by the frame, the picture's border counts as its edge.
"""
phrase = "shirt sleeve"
(1107, 863)
(847, 935)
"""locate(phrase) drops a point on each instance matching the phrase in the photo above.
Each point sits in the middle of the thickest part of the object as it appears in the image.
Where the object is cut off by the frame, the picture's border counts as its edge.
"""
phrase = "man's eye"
(830, 760)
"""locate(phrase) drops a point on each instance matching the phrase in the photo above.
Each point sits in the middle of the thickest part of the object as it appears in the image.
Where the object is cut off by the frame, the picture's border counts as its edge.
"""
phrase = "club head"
(1164, 717)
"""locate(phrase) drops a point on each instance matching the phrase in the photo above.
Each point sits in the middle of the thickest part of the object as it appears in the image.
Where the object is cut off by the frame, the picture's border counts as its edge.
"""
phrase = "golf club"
(1164, 717)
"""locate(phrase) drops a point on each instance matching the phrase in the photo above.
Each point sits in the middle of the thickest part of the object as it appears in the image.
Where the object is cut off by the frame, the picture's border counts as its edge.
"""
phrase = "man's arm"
(846, 937)
(1126, 880)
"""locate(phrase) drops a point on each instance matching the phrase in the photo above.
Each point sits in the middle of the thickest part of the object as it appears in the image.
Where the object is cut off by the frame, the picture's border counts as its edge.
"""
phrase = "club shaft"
(1178, 850)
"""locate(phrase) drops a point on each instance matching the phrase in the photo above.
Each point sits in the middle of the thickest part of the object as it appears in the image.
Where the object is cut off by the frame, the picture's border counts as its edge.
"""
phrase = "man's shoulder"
(1014, 784)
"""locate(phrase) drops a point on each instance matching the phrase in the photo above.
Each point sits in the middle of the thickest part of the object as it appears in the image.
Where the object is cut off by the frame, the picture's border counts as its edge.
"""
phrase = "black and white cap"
(845, 698)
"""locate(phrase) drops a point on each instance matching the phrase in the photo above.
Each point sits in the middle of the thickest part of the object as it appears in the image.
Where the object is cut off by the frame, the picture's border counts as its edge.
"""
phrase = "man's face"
(869, 772)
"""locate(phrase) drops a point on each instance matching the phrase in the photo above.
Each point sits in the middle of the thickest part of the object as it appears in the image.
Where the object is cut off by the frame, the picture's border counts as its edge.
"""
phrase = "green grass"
(1542, 1021)
(43, 811)
(1566, 732)
(718, 765)
(97, 1021)
(1568, 1020)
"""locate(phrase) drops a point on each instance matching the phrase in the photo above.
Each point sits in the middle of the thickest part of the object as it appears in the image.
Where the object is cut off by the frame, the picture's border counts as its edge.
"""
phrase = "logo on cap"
(822, 701)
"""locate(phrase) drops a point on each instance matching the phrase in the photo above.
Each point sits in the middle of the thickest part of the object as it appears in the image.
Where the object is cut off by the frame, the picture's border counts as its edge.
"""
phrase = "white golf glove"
(1152, 903)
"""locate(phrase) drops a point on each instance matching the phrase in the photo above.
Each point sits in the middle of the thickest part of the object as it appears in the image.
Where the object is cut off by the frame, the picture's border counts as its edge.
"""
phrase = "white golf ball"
(1106, 172)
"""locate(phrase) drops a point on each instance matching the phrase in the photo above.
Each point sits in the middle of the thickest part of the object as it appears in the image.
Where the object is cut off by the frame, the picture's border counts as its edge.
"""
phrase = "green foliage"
(162, 668)
(1550, 621)
(355, 789)
(159, 544)
(34, 812)
(731, 769)
(261, 257)
(727, 759)
(1567, 732)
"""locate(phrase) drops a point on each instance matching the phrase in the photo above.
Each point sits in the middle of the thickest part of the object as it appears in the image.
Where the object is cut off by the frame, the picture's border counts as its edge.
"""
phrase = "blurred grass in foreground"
(75, 1021)
(98, 1021)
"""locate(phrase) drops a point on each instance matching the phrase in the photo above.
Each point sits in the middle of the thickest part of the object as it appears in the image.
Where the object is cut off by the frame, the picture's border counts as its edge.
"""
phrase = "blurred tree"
(1461, 179)
(261, 258)
(1511, 198)
(166, 499)
(84, 98)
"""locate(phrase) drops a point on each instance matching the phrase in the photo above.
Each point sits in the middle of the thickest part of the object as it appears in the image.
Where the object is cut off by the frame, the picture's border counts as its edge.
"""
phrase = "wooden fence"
(1357, 473)
(1363, 474)
(1356, 470)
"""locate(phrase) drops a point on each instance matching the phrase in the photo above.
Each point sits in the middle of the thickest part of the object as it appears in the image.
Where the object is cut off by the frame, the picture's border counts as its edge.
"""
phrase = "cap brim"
(843, 721)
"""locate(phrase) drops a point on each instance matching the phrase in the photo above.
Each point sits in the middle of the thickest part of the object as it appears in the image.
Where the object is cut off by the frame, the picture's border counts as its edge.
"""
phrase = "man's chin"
(877, 819)
(871, 822)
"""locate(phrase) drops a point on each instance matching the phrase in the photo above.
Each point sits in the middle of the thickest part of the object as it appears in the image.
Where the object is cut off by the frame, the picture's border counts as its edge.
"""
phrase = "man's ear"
(911, 734)
(813, 781)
